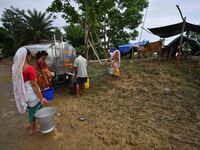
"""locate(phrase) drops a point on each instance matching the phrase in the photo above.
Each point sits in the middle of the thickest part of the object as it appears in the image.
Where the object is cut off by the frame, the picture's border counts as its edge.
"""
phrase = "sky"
(40, 5)
(160, 13)
(164, 12)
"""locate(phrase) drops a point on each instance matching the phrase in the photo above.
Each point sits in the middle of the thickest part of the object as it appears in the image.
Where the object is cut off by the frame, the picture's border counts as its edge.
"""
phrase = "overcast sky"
(165, 12)
(160, 12)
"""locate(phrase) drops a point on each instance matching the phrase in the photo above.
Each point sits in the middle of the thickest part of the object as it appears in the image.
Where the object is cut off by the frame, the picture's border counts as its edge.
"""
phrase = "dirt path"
(135, 112)
(12, 124)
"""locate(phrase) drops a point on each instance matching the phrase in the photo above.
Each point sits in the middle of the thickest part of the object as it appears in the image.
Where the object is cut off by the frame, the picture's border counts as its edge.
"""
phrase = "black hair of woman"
(28, 52)
(40, 54)
(78, 53)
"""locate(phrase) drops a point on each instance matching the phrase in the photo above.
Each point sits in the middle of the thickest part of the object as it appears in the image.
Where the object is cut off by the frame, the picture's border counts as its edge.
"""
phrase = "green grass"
(187, 72)
(137, 105)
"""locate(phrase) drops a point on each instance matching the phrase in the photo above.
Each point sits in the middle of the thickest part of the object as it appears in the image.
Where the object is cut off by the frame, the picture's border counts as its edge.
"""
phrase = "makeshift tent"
(194, 44)
(171, 30)
(126, 48)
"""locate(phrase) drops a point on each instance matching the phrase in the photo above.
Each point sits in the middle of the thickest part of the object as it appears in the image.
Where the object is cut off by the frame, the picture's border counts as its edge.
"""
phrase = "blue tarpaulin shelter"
(126, 48)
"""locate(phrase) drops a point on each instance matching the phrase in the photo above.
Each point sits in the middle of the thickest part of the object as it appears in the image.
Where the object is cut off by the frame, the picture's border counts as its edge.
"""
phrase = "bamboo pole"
(181, 40)
(143, 25)
(92, 43)
(132, 53)
(94, 51)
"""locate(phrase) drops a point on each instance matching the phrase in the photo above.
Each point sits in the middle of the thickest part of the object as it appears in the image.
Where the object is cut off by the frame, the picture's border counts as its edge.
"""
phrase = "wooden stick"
(132, 53)
(94, 51)
(92, 44)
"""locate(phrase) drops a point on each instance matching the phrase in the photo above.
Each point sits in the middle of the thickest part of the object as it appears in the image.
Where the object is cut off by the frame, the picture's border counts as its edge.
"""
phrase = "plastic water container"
(48, 94)
(111, 70)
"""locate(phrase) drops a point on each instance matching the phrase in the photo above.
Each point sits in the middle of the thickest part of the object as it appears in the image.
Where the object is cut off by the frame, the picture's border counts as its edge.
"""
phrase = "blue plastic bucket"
(48, 94)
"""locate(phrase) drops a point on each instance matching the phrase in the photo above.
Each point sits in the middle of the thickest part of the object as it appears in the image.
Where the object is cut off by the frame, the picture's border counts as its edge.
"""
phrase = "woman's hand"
(47, 82)
(44, 101)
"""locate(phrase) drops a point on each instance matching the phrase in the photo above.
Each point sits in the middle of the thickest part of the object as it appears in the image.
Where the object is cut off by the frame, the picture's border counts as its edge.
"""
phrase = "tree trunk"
(104, 37)
(86, 49)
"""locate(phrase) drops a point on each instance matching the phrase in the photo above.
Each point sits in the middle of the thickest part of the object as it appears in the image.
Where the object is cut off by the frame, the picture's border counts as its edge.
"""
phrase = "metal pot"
(45, 117)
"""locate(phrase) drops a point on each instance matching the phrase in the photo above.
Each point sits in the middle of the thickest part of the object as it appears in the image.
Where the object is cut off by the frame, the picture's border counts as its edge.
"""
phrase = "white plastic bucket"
(111, 70)
(45, 117)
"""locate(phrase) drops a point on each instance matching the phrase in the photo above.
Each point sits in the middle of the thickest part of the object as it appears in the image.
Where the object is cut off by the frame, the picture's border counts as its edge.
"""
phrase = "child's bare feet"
(33, 131)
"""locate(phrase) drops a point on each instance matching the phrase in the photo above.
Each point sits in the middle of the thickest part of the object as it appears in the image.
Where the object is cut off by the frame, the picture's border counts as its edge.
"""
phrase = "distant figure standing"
(186, 50)
(115, 61)
(81, 76)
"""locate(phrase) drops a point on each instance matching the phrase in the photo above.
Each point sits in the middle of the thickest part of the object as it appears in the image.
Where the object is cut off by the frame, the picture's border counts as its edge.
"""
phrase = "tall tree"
(27, 27)
(86, 18)
(14, 22)
(75, 35)
(113, 20)
(6, 42)
(57, 32)
(39, 25)
(120, 22)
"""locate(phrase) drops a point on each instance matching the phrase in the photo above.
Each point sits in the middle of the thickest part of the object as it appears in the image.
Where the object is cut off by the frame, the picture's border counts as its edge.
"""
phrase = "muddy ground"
(151, 106)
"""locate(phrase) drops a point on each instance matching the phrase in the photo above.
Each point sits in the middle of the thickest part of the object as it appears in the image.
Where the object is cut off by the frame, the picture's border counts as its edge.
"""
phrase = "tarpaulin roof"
(194, 44)
(127, 47)
(171, 30)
